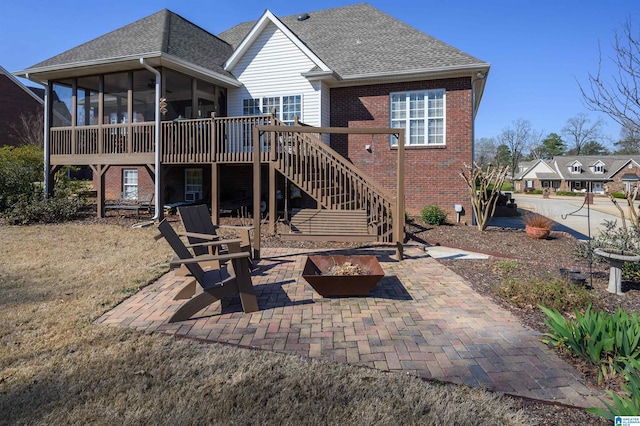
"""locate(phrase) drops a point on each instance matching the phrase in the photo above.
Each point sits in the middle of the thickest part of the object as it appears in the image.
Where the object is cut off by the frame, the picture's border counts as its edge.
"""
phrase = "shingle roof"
(162, 32)
(612, 164)
(362, 40)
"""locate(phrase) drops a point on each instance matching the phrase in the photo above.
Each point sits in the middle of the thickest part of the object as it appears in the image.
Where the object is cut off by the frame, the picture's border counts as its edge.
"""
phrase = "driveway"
(571, 214)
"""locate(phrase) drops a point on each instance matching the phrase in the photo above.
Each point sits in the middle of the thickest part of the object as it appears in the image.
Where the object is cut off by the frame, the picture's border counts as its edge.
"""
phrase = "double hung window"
(421, 114)
(286, 108)
(130, 184)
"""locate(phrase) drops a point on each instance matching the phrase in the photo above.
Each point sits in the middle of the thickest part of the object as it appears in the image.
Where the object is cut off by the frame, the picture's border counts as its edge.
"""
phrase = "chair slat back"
(180, 249)
(197, 219)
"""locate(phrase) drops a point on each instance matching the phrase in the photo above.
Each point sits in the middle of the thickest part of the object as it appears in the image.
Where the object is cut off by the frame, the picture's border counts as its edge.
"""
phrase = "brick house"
(350, 67)
(16, 100)
(581, 173)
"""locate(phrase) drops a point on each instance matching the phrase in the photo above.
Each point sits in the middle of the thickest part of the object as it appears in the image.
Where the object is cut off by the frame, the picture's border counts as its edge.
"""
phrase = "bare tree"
(516, 138)
(485, 151)
(484, 189)
(579, 131)
(29, 130)
(618, 96)
(536, 148)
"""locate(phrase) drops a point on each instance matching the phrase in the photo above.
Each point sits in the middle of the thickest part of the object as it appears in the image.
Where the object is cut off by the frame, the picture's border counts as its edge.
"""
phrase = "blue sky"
(537, 49)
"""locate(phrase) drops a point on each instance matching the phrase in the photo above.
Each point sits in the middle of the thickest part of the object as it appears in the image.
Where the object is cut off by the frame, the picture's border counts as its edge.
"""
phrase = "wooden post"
(256, 193)
(215, 193)
(99, 171)
(398, 219)
(273, 203)
(129, 147)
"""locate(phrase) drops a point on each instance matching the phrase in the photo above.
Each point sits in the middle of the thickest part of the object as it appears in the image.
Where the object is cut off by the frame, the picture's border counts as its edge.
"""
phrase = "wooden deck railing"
(226, 139)
(330, 179)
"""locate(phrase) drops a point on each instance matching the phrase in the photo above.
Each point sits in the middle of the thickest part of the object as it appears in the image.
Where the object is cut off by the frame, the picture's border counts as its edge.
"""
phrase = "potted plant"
(537, 226)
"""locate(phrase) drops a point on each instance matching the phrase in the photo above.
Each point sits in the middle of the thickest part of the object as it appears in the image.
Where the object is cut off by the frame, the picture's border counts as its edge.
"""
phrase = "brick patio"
(421, 318)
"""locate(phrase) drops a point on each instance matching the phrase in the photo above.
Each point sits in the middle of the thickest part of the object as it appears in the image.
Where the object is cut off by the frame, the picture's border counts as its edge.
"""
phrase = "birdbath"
(617, 258)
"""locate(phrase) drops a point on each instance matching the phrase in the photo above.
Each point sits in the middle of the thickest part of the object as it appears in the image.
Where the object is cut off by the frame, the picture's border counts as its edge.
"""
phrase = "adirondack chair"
(197, 219)
(214, 284)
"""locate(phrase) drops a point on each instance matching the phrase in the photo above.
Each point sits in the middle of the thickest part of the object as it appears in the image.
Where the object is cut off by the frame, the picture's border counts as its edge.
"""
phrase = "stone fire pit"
(317, 269)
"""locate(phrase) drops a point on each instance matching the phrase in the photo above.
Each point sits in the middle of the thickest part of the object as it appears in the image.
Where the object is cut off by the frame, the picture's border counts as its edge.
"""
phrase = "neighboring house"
(580, 173)
(353, 66)
(17, 101)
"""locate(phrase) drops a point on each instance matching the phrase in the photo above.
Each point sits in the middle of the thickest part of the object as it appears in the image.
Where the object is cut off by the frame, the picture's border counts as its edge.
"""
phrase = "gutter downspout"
(47, 148)
(157, 137)
(479, 76)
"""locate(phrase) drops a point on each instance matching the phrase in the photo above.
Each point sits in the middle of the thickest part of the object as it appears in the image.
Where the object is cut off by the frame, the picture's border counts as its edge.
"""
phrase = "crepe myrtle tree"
(484, 188)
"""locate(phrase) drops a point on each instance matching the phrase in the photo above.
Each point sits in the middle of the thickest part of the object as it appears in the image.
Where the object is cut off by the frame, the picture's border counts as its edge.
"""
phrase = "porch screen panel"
(61, 104)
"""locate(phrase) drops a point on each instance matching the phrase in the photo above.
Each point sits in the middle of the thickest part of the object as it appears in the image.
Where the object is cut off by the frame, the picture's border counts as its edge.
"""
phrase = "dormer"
(598, 167)
(575, 168)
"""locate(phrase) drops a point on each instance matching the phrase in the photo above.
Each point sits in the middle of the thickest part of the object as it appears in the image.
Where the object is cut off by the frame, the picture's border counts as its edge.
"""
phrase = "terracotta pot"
(538, 233)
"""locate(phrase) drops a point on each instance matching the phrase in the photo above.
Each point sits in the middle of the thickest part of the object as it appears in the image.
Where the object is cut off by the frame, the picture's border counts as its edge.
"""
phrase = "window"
(576, 168)
(192, 184)
(251, 107)
(598, 168)
(130, 184)
(421, 114)
(529, 184)
(286, 107)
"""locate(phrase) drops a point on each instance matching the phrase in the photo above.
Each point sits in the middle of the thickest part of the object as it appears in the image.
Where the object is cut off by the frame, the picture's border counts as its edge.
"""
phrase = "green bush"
(615, 237)
(570, 193)
(556, 293)
(20, 168)
(623, 405)
(618, 195)
(610, 342)
(433, 215)
(21, 194)
(537, 191)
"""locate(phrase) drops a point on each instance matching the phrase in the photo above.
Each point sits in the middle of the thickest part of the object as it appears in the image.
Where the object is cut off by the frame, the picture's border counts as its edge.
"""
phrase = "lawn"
(57, 367)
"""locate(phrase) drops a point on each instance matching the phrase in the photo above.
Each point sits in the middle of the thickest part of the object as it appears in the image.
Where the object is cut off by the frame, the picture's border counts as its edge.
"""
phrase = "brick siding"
(14, 101)
(431, 173)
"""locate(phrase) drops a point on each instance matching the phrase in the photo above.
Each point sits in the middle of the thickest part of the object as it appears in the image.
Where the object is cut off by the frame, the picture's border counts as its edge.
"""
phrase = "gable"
(273, 65)
(361, 41)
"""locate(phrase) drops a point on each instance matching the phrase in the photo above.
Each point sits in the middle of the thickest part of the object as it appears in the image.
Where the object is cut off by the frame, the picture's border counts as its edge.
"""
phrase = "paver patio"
(421, 318)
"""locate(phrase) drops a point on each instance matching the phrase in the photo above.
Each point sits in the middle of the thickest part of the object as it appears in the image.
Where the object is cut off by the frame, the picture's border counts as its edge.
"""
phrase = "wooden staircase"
(330, 225)
(352, 207)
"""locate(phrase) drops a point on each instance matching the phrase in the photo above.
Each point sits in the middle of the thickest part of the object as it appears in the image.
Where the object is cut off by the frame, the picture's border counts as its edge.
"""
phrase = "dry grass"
(57, 367)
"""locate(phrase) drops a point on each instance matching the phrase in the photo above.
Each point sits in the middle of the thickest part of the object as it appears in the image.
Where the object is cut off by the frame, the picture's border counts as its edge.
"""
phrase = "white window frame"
(130, 184)
(191, 184)
(281, 103)
(576, 168)
(425, 124)
(598, 168)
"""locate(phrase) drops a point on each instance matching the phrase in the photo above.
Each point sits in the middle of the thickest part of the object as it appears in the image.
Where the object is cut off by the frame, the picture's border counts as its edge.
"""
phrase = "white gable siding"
(273, 66)
(540, 167)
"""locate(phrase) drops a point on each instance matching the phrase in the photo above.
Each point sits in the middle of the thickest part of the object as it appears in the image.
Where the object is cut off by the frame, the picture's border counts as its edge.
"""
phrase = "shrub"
(570, 193)
(20, 167)
(555, 293)
(538, 221)
(31, 207)
(610, 342)
(623, 405)
(433, 215)
(537, 191)
(618, 195)
(614, 237)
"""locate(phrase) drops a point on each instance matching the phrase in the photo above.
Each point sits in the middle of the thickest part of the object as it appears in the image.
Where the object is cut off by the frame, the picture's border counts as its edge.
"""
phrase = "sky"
(538, 50)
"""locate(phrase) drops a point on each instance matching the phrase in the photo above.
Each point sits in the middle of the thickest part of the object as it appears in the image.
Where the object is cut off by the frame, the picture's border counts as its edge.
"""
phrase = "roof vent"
(303, 17)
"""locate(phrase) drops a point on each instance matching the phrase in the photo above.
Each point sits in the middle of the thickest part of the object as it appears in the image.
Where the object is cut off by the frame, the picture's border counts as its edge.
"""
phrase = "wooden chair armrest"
(207, 258)
(237, 227)
(196, 235)
(215, 243)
